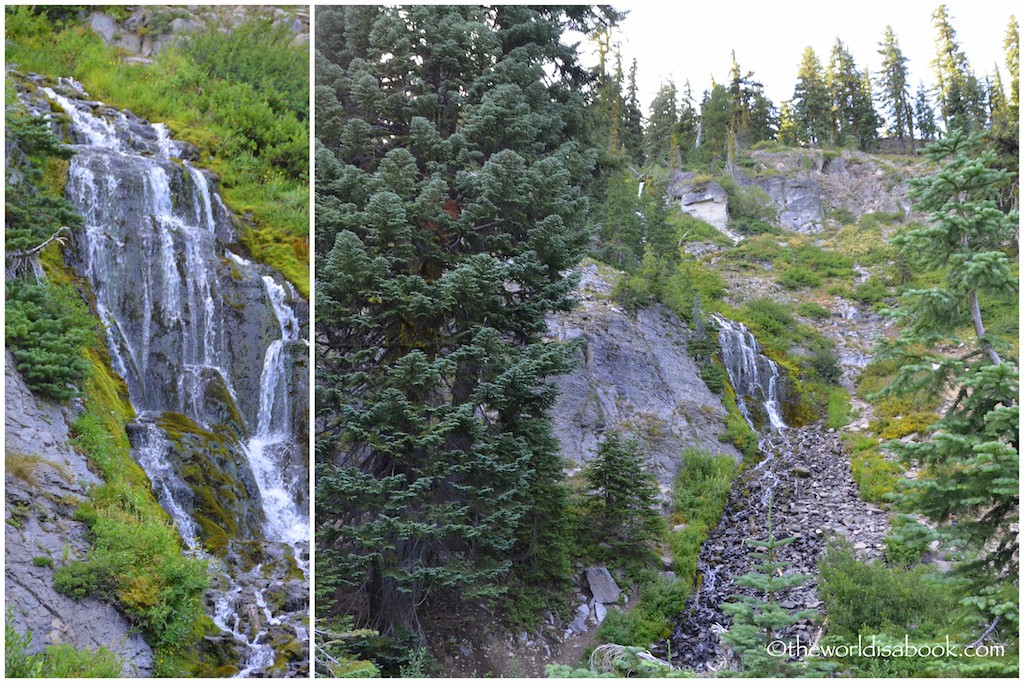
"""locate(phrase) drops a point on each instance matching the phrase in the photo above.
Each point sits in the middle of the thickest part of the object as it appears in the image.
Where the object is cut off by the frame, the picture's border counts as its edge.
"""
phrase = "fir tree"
(895, 90)
(924, 115)
(620, 511)
(959, 93)
(449, 205)
(632, 120)
(811, 102)
(661, 145)
(971, 484)
(759, 619)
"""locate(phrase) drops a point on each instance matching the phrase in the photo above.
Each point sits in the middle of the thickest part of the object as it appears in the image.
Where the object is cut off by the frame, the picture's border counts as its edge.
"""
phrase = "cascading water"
(213, 355)
(695, 642)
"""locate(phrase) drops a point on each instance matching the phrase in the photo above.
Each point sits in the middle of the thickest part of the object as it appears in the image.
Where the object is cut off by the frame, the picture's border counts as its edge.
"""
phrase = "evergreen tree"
(1011, 44)
(758, 620)
(47, 324)
(895, 90)
(924, 115)
(620, 510)
(788, 127)
(752, 113)
(811, 111)
(959, 93)
(449, 204)
(970, 488)
(716, 119)
(853, 116)
(661, 145)
(632, 120)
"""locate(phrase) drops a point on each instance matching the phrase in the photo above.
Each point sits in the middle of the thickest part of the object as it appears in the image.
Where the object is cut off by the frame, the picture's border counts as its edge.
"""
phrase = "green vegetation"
(618, 515)
(868, 599)
(875, 475)
(758, 620)
(240, 97)
(971, 487)
(701, 489)
(56, 661)
(136, 559)
(624, 662)
(430, 211)
(48, 324)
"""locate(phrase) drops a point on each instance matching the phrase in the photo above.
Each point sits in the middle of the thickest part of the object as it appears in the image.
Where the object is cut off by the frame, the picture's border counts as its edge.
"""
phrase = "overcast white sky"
(692, 40)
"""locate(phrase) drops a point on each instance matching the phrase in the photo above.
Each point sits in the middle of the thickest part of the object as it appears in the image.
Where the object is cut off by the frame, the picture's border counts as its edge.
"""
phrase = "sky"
(692, 41)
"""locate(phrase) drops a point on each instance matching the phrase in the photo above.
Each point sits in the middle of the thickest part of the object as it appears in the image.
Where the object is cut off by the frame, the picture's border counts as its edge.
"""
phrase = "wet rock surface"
(814, 498)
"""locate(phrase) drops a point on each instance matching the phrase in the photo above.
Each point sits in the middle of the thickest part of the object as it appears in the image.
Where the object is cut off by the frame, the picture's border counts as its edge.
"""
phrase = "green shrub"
(651, 619)
(700, 492)
(752, 226)
(76, 580)
(838, 408)
(42, 561)
(714, 376)
(876, 477)
(797, 277)
(56, 661)
(871, 291)
(747, 202)
(861, 596)
(809, 309)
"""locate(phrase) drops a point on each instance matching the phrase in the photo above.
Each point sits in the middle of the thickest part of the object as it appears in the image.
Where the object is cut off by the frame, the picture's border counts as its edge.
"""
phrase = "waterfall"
(212, 351)
(757, 381)
(753, 375)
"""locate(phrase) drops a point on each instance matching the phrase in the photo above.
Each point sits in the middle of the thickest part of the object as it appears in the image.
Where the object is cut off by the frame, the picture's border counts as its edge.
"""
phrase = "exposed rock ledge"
(636, 375)
(37, 513)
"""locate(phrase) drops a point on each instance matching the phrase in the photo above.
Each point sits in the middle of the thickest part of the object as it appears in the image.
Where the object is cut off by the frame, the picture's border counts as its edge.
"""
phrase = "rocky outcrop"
(705, 200)
(635, 374)
(148, 30)
(814, 498)
(45, 480)
(807, 185)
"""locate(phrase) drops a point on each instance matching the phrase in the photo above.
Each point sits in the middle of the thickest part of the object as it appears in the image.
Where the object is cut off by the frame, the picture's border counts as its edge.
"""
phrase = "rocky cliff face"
(45, 481)
(635, 374)
(807, 186)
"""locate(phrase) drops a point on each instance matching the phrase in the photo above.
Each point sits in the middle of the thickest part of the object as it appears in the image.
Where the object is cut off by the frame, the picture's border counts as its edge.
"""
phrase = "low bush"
(798, 277)
(56, 661)
(809, 309)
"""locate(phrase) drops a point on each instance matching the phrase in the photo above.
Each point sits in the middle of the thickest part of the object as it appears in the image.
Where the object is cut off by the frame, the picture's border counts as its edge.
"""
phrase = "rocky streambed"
(814, 498)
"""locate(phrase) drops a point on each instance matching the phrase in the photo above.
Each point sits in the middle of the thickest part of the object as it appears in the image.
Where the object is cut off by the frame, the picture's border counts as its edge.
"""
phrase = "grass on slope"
(255, 140)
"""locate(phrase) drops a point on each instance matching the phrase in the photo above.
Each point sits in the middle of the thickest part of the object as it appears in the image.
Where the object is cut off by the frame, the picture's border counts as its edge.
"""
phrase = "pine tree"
(620, 511)
(970, 488)
(758, 620)
(895, 90)
(632, 120)
(811, 111)
(449, 204)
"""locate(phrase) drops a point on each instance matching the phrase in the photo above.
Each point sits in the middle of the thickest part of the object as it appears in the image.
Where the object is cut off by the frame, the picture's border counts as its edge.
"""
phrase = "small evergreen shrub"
(809, 309)
(798, 277)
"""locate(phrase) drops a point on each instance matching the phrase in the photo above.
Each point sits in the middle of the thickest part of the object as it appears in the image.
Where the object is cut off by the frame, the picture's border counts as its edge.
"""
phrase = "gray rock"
(38, 512)
(634, 375)
(602, 585)
(102, 24)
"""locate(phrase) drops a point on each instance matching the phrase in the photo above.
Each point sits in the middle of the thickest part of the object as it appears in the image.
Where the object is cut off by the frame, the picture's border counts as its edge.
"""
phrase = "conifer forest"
(481, 355)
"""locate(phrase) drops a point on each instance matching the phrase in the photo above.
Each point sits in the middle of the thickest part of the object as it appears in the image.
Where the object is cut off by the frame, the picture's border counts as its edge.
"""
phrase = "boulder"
(602, 585)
